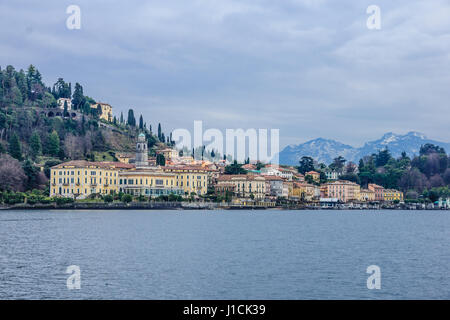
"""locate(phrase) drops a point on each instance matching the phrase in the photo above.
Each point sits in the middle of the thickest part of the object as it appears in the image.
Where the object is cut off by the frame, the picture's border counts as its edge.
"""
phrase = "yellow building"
(190, 178)
(314, 175)
(243, 185)
(392, 195)
(106, 110)
(150, 182)
(168, 153)
(366, 195)
(303, 191)
(125, 157)
(79, 178)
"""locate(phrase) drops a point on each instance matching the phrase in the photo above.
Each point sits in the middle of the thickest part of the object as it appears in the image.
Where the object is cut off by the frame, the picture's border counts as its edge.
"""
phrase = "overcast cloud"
(310, 68)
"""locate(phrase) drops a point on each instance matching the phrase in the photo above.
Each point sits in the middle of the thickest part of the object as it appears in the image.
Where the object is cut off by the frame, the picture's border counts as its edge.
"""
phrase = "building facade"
(106, 110)
(245, 186)
(379, 191)
(148, 182)
(79, 178)
(344, 191)
(190, 178)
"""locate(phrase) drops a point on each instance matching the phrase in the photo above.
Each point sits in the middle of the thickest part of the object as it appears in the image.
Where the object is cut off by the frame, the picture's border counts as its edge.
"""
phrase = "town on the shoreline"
(59, 147)
(139, 178)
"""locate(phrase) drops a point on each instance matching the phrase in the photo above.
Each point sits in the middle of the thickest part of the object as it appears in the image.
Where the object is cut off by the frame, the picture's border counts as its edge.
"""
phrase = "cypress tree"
(15, 148)
(35, 145)
(53, 144)
(159, 131)
(131, 119)
(141, 123)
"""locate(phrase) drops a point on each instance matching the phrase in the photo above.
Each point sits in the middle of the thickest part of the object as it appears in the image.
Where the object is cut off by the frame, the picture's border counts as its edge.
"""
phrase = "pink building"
(379, 191)
(342, 190)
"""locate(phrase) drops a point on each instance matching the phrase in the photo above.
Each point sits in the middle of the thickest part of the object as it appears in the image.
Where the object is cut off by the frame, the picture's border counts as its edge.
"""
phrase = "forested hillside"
(35, 134)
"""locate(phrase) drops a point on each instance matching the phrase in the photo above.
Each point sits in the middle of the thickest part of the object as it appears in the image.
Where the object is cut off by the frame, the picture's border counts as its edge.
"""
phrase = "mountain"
(325, 150)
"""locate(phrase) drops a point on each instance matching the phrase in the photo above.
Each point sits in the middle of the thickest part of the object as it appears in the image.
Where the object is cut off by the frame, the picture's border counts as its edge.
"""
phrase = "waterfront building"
(79, 178)
(344, 191)
(275, 187)
(150, 182)
(190, 178)
(379, 194)
(305, 191)
(392, 195)
(245, 186)
(366, 195)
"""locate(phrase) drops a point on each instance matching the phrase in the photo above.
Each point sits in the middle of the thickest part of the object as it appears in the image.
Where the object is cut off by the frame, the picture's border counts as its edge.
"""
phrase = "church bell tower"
(141, 152)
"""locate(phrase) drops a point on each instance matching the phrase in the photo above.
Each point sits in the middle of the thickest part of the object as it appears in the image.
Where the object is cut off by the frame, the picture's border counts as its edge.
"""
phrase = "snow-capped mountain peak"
(325, 150)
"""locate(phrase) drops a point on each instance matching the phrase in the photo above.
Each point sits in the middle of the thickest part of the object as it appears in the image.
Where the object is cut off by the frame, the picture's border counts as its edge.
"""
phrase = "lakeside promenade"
(154, 205)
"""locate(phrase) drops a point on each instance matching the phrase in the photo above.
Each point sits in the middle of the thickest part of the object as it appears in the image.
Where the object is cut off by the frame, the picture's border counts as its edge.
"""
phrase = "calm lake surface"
(224, 254)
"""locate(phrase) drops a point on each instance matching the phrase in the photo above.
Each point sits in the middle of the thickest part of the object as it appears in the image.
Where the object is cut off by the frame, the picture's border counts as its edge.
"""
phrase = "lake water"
(224, 254)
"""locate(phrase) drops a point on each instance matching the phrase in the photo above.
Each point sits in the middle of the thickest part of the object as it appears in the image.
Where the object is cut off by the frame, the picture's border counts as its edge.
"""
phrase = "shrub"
(127, 198)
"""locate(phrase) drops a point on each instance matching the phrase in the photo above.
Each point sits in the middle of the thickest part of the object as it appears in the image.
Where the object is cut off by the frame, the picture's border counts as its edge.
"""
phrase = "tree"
(160, 160)
(306, 164)
(159, 132)
(31, 173)
(131, 119)
(78, 99)
(35, 145)
(65, 112)
(235, 168)
(338, 164)
(141, 123)
(15, 148)
(430, 148)
(12, 176)
(99, 111)
(382, 158)
(53, 144)
(127, 198)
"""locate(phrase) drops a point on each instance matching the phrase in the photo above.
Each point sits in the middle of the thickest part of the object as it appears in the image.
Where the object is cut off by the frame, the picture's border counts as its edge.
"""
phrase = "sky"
(309, 68)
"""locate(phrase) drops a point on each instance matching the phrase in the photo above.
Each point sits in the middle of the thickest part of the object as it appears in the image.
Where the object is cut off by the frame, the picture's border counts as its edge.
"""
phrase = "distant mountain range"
(325, 150)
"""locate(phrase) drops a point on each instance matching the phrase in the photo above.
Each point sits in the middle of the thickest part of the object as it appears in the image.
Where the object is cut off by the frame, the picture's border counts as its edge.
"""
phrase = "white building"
(61, 101)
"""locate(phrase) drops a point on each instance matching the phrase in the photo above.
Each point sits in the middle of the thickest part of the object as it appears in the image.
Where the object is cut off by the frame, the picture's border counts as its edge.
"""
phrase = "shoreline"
(204, 206)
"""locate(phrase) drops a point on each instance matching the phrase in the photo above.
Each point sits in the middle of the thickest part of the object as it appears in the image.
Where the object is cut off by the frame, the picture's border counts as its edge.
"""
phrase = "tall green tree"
(159, 132)
(306, 164)
(53, 144)
(141, 123)
(78, 99)
(131, 119)
(35, 145)
(15, 148)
